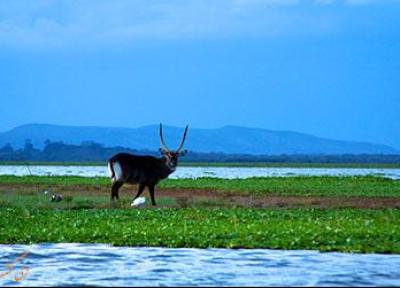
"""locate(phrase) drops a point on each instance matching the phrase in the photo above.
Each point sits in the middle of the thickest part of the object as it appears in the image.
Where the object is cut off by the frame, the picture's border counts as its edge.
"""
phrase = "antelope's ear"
(183, 152)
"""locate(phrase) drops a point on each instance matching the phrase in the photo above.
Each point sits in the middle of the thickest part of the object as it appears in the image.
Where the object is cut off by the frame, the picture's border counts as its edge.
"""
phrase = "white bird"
(138, 201)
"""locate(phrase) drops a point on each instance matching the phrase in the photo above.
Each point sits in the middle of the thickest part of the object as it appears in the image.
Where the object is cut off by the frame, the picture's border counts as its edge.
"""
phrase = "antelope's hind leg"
(114, 190)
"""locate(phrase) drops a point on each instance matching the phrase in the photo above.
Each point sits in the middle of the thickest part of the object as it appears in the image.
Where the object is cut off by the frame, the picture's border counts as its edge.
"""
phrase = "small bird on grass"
(138, 201)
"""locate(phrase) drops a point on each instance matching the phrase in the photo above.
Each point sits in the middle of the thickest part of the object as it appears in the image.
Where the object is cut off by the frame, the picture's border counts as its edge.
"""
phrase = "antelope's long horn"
(163, 146)
(183, 140)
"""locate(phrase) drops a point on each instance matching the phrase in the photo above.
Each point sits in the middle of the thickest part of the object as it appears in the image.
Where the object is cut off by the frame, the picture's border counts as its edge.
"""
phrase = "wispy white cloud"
(364, 2)
(356, 2)
(63, 22)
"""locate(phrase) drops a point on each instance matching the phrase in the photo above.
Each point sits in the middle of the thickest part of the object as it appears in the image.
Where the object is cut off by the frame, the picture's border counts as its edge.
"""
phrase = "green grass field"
(346, 230)
(366, 186)
(87, 216)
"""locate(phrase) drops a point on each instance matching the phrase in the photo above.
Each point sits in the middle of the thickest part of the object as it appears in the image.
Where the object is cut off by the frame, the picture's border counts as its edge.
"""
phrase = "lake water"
(103, 265)
(196, 172)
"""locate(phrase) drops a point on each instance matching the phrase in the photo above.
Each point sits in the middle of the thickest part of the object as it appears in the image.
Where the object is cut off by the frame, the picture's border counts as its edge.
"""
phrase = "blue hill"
(228, 139)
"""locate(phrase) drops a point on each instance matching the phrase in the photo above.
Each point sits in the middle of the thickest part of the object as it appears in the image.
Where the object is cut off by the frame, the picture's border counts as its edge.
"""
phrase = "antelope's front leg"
(151, 190)
(140, 191)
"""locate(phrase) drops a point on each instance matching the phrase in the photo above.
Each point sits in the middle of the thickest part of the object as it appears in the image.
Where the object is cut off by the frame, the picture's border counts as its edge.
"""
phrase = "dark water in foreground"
(102, 265)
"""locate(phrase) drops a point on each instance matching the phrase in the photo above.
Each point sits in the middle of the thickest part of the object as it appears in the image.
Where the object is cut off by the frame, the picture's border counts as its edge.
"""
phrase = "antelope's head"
(171, 157)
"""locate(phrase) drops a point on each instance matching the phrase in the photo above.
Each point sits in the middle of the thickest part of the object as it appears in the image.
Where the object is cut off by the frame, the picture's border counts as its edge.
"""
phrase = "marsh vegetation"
(353, 214)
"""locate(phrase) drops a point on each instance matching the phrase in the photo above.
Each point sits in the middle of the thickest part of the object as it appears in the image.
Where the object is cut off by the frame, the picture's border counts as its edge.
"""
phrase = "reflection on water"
(88, 264)
(196, 172)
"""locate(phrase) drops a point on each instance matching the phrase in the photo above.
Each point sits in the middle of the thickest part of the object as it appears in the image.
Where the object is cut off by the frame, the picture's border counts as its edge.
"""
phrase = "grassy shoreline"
(226, 164)
(366, 186)
(86, 215)
(345, 230)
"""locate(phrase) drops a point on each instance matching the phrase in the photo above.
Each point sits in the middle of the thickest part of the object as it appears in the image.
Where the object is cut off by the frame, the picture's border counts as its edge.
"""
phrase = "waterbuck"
(144, 170)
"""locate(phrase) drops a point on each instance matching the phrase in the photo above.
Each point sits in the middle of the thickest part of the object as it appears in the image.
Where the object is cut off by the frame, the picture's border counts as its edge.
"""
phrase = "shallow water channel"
(104, 265)
(196, 172)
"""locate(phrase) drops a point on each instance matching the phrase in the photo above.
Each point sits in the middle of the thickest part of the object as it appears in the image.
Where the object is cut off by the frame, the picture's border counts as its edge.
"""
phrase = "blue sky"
(325, 67)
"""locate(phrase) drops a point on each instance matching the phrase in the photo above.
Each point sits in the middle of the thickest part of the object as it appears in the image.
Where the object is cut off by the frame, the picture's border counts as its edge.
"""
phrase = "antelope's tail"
(115, 170)
(111, 169)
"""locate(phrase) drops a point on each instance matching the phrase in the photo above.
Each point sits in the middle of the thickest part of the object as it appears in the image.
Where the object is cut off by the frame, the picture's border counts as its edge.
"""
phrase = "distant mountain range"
(228, 139)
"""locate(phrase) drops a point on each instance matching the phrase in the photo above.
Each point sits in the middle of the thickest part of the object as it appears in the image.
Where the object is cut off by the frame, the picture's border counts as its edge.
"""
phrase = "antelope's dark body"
(146, 170)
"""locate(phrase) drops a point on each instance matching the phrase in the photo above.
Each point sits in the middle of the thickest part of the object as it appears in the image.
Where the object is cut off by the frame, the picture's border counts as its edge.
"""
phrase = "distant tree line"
(94, 152)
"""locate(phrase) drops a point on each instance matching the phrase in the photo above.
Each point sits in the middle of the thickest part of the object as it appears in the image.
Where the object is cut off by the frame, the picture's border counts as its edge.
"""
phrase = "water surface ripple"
(103, 265)
(196, 172)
